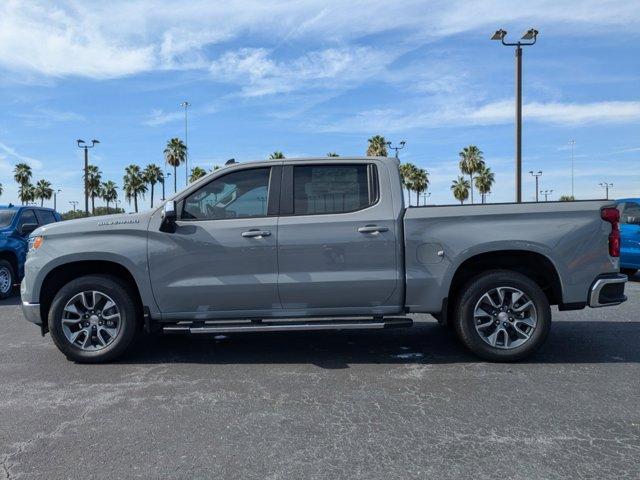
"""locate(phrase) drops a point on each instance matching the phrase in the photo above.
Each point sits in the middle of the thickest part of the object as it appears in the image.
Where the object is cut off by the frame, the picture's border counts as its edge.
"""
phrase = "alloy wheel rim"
(505, 317)
(91, 320)
(5, 280)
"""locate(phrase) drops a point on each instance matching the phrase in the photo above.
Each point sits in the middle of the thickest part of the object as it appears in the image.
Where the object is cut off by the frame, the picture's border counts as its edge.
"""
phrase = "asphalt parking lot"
(401, 404)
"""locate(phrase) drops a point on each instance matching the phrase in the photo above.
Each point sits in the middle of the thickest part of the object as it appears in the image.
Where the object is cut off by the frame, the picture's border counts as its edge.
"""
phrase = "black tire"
(629, 272)
(119, 292)
(471, 293)
(7, 269)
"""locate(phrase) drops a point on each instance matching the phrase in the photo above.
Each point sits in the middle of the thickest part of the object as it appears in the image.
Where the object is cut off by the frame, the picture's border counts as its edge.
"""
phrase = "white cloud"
(117, 38)
(160, 117)
(259, 74)
(495, 113)
(12, 153)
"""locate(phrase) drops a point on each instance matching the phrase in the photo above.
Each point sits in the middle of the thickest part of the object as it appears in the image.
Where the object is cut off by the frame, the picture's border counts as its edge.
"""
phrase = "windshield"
(6, 216)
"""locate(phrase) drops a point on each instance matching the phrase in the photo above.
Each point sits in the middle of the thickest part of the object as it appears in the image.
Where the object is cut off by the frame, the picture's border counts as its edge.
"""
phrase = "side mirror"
(169, 217)
(27, 228)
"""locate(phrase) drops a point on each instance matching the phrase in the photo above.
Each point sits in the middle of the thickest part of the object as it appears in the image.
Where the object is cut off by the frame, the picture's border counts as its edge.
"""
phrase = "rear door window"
(45, 217)
(324, 189)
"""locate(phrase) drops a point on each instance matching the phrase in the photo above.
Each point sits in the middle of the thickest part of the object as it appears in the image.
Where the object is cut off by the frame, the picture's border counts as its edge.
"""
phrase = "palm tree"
(94, 183)
(332, 154)
(484, 181)
(471, 162)
(134, 184)
(22, 175)
(26, 193)
(43, 191)
(196, 174)
(109, 192)
(377, 146)
(420, 182)
(175, 153)
(460, 189)
(1, 189)
(152, 175)
(407, 173)
(277, 155)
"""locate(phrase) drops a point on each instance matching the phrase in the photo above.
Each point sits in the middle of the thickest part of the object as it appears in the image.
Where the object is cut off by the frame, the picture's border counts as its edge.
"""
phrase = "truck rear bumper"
(31, 312)
(607, 290)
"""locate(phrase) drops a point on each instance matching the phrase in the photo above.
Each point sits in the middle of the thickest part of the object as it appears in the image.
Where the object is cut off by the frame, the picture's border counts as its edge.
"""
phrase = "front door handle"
(256, 233)
(373, 229)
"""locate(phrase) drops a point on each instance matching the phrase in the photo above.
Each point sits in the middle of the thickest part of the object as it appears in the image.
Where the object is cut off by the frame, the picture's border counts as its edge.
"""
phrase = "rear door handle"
(372, 229)
(256, 233)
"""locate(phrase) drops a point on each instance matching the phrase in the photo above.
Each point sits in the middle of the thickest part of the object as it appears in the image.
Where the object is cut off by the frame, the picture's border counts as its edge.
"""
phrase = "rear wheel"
(502, 316)
(93, 319)
(7, 278)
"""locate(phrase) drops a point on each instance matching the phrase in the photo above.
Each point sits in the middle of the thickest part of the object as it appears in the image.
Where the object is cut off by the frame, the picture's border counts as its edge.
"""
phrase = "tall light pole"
(164, 179)
(400, 147)
(606, 186)
(536, 176)
(572, 143)
(55, 198)
(531, 36)
(83, 144)
(546, 194)
(75, 204)
(186, 105)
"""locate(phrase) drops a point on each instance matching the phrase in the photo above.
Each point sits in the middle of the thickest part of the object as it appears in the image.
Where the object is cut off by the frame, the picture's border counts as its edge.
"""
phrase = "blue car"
(16, 223)
(629, 235)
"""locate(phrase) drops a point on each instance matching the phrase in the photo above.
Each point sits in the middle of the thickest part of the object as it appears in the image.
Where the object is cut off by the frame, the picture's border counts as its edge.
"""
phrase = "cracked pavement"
(406, 403)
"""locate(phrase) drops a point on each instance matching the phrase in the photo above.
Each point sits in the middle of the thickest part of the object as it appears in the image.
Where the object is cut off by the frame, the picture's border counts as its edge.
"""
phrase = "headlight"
(35, 242)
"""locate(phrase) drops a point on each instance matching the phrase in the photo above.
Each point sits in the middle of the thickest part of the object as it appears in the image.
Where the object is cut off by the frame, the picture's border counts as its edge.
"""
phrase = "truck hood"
(137, 221)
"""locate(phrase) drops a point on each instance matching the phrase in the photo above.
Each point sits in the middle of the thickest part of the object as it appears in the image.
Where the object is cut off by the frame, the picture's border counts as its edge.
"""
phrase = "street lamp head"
(388, 144)
(402, 143)
(530, 34)
(80, 141)
(94, 141)
(499, 35)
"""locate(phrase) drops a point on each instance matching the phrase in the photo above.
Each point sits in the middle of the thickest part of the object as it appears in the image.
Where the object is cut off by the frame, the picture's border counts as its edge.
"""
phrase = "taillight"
(612, 215)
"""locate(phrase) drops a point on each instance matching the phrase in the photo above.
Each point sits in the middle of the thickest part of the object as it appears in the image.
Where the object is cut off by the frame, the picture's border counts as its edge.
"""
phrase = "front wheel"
(7, 278)
(93, 319)
(502, 316)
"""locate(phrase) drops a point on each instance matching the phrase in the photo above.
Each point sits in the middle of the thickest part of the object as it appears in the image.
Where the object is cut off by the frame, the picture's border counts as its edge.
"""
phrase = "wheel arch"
(62, 274)
(11, 257)
(535, 265)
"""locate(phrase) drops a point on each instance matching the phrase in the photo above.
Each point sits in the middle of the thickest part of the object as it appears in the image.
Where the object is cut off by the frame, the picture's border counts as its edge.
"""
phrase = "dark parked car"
(16, 223)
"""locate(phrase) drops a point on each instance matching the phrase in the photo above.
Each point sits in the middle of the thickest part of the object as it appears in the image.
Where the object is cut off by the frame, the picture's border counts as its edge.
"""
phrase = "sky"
(316, 76)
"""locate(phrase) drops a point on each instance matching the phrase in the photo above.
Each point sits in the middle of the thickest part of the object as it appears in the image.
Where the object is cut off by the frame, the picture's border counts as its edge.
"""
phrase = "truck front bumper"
(31, 312)
(607, 290)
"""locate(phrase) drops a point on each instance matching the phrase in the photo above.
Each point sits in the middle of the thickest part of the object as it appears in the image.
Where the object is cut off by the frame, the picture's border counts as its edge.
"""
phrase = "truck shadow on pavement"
(568, 342)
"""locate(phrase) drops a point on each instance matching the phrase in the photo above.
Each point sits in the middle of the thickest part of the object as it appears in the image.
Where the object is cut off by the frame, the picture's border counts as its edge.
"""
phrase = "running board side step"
(289, 326)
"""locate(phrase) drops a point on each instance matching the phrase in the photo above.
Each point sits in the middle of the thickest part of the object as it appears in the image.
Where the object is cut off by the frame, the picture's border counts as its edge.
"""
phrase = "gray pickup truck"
(318, 244)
